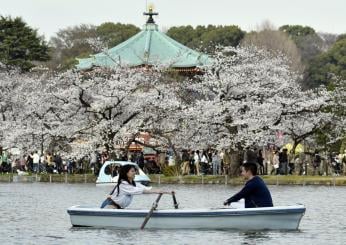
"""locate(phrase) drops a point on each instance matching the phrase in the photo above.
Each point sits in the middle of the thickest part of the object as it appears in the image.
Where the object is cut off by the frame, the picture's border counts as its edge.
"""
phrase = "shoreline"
(190, 179)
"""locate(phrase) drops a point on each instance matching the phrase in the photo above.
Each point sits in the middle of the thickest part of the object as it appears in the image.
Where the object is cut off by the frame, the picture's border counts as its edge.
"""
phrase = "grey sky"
(48, 16)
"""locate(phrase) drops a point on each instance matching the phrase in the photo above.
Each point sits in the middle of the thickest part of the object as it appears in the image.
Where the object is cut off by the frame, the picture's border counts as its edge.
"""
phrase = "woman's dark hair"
(123, 176)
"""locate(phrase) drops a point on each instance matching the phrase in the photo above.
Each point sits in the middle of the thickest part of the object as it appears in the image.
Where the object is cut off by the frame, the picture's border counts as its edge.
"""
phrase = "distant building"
(148, 47)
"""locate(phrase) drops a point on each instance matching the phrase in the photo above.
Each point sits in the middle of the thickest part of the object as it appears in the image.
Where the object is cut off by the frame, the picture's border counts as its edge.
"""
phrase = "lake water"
(36, 214)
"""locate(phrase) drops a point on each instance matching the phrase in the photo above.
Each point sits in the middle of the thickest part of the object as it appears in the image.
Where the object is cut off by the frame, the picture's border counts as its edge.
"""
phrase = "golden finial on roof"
(150, 13)
(151, 8)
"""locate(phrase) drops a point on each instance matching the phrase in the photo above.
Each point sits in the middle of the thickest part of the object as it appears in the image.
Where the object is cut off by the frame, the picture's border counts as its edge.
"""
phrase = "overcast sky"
(48, 16)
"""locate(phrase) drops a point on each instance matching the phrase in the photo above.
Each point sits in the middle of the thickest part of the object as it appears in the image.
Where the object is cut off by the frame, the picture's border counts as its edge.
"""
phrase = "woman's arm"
(139, 189)
(148, 190)
(156, 192)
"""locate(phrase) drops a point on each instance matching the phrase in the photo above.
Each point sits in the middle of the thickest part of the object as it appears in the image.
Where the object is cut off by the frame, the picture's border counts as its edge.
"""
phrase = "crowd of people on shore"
(282, 162)
(192, 162)
(55, 163)
(36, 163)
(201, 162)
(273, 162)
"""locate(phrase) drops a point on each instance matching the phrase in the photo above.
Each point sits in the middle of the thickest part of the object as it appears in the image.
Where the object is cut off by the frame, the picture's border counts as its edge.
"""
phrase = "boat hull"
(275, 218)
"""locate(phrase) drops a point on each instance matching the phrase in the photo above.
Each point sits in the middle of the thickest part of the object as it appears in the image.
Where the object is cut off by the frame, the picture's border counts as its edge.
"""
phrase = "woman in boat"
(122, 194)
(255, 191)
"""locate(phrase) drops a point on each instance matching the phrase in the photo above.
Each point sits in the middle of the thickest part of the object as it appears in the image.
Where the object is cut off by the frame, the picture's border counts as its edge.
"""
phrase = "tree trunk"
(236, 159)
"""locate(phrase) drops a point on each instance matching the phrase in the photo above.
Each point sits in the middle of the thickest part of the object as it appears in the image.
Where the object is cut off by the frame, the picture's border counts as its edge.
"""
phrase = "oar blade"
(151, 211)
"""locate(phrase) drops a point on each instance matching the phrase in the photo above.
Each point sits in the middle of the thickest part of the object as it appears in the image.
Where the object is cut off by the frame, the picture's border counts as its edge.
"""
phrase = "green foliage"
(171, 170)
(306, 39)
(69, 44)
(207, 38)
(113, 34)
(20, 45)
(340, 37)
(296, 31)
(74, 42)
(322, 67)
(326, 66)
(343, 146)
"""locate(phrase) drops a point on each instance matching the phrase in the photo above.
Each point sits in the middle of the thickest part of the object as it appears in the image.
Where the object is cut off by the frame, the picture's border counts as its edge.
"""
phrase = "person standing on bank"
(255, 191)
(122, 194)
(283, 158)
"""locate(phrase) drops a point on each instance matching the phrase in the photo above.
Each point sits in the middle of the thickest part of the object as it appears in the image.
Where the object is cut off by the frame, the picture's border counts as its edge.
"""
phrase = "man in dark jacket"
(250, 155)
(255, 191)
(283, 159)
(317, 163)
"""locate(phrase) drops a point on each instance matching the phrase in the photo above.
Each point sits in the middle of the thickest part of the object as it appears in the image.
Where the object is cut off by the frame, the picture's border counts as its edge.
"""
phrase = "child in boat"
(255, 191)
(122, 194)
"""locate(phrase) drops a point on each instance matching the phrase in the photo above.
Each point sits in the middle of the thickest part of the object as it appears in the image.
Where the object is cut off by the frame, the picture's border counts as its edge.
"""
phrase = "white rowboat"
(270, 218)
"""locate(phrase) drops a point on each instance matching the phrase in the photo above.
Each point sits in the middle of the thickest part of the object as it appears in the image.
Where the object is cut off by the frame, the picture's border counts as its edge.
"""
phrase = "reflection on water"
(36, 214)
(255, 235)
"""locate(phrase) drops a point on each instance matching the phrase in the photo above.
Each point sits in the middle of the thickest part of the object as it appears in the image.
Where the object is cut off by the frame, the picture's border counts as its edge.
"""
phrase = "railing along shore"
(187, 179)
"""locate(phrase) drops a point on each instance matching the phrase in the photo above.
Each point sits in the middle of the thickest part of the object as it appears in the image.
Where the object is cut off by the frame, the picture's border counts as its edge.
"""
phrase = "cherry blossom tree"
(243, 99)
(23, 112)
(102, 106)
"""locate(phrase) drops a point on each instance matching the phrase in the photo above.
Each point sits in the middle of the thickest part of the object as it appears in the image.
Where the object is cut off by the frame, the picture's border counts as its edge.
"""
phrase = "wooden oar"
(176, 205)
(151, 211)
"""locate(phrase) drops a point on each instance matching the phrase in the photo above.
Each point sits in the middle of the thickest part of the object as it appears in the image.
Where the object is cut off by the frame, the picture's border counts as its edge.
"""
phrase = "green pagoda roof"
(148, 47)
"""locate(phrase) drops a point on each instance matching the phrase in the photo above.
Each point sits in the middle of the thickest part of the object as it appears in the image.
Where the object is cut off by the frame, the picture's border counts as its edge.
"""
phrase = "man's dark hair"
(250, 166)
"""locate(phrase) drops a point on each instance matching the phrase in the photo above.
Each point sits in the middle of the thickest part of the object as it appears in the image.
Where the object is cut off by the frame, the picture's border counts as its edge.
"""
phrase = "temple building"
(147, 48)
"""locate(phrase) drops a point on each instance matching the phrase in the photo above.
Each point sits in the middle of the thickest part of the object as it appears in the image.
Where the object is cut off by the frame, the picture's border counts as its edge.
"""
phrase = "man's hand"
(226, 203)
